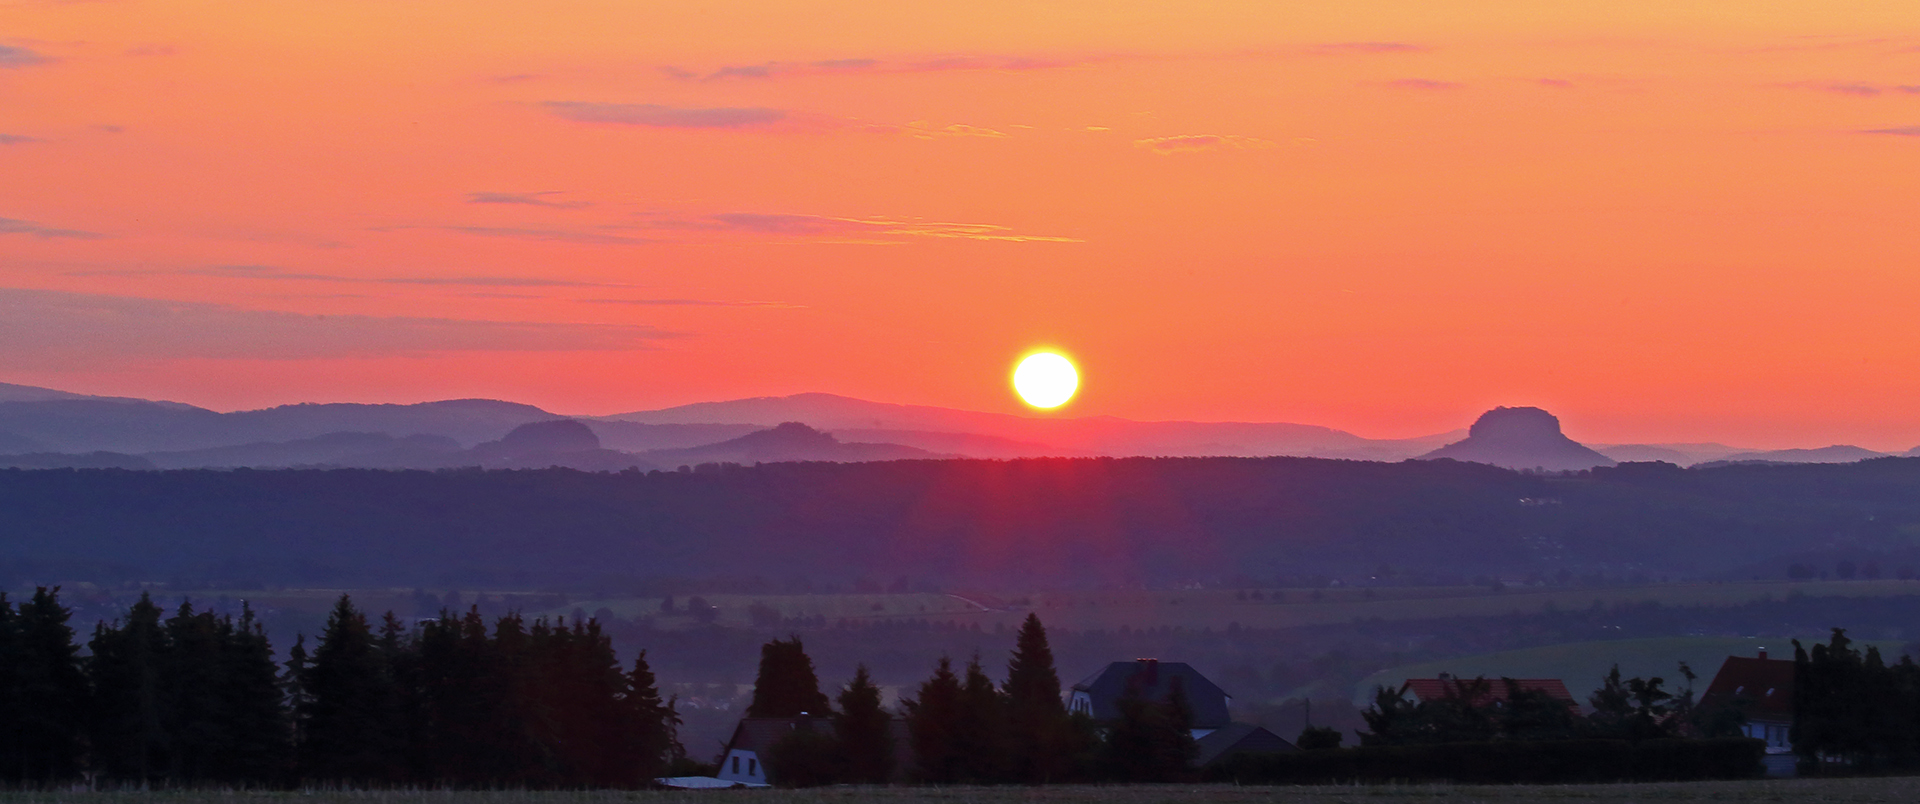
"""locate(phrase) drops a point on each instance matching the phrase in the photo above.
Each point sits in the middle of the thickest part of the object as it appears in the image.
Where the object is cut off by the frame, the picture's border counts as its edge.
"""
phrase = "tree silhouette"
(865, 732)
(786, 685)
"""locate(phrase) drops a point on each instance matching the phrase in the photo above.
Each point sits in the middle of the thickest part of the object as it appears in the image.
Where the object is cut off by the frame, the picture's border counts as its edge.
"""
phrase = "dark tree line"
(197, 699)
(1623, 709)
(1852, 710)
(963, 728)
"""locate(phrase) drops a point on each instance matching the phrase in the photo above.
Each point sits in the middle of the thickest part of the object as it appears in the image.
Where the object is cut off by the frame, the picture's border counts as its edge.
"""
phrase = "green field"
(1824, 791)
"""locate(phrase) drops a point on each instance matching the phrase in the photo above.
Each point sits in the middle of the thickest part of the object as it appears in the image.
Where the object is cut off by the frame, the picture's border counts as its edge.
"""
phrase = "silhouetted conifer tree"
(653, 733)
(786, 685)
(1039, 733)
(128, 740)
(981, 732)
(350, 697)
(43, 692)
(1150, 741)
(865, 732)
(933, 722)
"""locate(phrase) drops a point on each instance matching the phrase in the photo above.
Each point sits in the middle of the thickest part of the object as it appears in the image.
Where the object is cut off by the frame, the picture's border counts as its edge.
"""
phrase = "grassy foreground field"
(1812, 791)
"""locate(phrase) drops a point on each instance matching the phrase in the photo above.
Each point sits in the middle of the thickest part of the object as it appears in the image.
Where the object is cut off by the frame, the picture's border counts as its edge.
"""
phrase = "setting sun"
(1045, 380)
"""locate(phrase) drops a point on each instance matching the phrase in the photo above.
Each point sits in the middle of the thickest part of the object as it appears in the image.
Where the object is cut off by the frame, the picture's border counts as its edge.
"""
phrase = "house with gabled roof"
(1098, 695)
(1761, 690)
(744, 761)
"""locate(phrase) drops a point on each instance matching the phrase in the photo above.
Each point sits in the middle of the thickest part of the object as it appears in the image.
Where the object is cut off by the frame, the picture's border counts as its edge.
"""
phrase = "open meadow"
(1809, 791)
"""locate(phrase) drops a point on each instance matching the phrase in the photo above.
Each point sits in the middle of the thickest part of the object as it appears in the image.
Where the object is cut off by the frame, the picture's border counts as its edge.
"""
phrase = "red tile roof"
(1766, 685)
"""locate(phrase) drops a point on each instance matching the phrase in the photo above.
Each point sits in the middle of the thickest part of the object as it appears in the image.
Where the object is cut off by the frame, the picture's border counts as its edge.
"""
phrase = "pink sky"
(1662, 221)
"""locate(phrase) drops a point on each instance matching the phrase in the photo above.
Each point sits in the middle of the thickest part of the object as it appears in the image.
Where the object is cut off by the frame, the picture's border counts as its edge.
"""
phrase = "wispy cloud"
(1859, 89)
(1898, 131)
(13, 57)
(528, 199)
(551, 235)
(17, 139)
(11, 226)
(825, 229)
(657, 116)
(274, 272)
(1423, 84)
(927, 131)
(44, 328)
(951, 63)
(691, 303)
(1188, 143)
(1340, 48)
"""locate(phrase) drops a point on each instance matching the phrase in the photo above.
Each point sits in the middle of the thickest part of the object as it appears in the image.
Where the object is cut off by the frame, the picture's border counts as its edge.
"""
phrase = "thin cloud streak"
(1423, 84)
(1189, 143)
(525, 199)
(17, 139)
(825, 229)
(692, 303)
(13, 226)
(15, 57)
(867, 66)
(1898, 131)
(654, 115)
(550, 235)
(1342, 48)
(275, 273)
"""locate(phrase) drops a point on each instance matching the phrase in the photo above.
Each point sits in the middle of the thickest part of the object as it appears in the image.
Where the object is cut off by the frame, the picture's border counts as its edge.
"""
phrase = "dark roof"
(1237, 738)
(1765, 686)
(1156, 684)
(1433, 689)
(757, 734)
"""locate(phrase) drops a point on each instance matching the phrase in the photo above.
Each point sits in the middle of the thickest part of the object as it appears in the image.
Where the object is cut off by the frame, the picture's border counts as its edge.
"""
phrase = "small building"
(1495, 694)
(1761, 690)
(1099, 693)
(1238, 738)
(745, 760)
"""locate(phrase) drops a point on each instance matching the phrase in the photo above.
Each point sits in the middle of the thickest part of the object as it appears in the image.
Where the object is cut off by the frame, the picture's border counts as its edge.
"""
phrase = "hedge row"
(1558, 761)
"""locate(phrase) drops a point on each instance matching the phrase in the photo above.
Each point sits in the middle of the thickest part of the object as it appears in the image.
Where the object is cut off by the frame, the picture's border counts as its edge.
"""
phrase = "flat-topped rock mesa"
(1521, 438)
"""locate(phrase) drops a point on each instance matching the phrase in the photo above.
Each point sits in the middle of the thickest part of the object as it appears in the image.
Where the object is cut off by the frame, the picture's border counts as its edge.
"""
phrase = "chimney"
(1150, 671)
(1763, 653)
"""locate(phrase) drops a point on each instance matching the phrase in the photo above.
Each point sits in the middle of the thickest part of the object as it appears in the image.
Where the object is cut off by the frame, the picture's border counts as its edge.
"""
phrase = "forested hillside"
(956, 524)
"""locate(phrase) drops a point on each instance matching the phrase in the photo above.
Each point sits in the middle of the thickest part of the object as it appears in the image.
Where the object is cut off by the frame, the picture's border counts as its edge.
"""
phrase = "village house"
(1215, 734)
(1761, 690)
(1098, 696)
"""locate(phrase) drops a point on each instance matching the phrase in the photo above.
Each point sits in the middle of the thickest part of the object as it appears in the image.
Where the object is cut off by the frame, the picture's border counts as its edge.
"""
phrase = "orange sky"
(1664, 221)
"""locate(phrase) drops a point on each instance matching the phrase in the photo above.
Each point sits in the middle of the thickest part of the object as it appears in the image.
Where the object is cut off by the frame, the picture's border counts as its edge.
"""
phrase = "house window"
(753, 767)
(736, 764)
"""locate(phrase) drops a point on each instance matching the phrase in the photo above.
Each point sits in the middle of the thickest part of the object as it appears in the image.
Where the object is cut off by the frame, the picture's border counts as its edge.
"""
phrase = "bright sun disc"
(1045, 380)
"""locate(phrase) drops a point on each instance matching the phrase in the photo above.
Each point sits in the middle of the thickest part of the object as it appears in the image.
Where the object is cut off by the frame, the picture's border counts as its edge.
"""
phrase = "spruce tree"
(981, 733)
(254, 703)
(786, 685)
(654, 730)
(128, 741)
(1037, 725)
(349, 696)
(45, 692)
(865, 732)
(933, 723)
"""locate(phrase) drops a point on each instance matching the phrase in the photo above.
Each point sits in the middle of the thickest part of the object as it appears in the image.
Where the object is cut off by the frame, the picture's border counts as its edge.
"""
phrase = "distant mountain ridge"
(43, 427)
